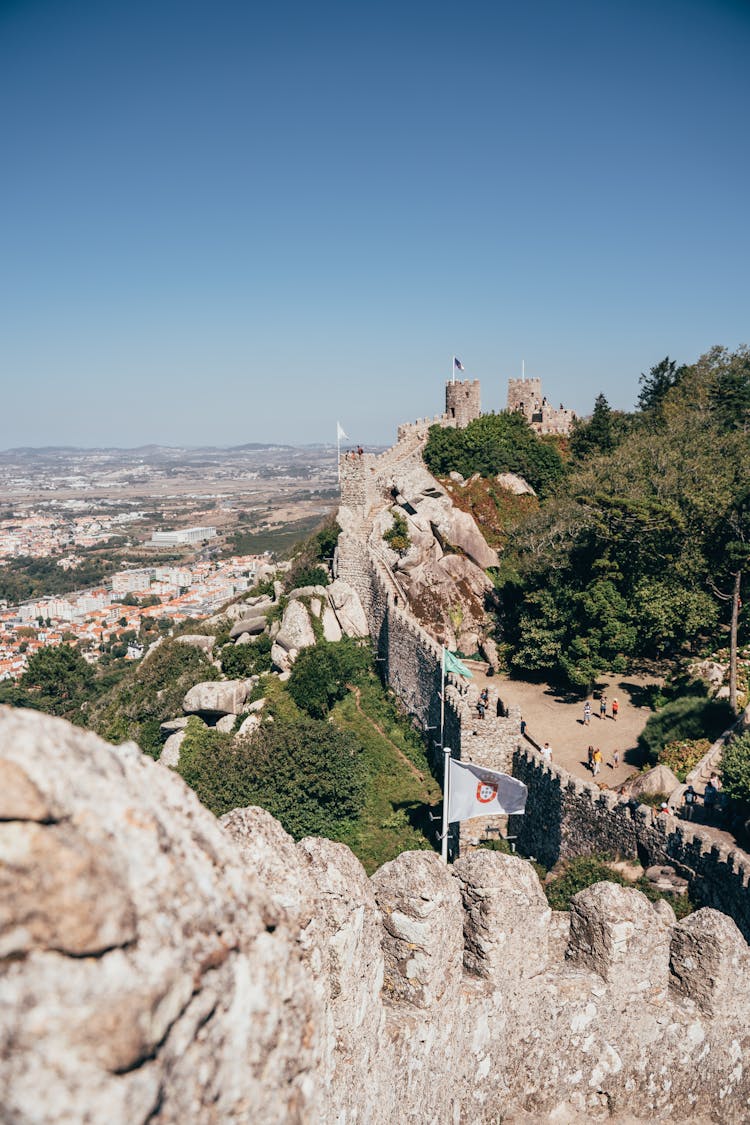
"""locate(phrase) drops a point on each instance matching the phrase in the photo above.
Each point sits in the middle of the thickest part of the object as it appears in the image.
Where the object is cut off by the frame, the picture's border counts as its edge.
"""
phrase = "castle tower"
(525, 395)
(462, 402)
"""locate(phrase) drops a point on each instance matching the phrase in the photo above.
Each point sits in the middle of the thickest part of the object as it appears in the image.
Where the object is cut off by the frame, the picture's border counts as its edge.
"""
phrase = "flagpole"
(338, 452)
(453, 370)
(442, 695)
(446, 796)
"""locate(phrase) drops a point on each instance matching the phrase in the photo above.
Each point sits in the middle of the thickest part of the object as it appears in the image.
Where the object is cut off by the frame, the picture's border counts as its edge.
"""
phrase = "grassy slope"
(394, 818)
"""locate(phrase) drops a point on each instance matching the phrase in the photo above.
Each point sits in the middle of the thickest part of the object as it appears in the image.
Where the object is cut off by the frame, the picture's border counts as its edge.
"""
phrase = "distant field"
(277, 540)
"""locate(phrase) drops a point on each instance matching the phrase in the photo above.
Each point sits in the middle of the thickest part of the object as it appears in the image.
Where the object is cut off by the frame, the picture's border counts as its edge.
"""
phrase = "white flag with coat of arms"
(475, 791)
(340, 432)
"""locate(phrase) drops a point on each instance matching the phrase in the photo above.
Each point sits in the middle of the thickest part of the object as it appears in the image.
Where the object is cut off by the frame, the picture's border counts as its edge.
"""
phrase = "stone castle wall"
(567, 817)
(421, 427)
(525, 395)
(408, 657)
(162, 967)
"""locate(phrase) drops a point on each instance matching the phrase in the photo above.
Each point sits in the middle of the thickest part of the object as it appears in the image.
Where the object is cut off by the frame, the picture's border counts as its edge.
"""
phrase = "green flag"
(451, 663)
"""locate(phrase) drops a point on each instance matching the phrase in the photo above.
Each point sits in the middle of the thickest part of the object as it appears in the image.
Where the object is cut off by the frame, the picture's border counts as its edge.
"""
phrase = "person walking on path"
(523, 727)
(547, 752)
(603, 707)
(591, 758)
(615, 759)
(587, 713)
(597, 761)
(689, 798)
(615, 709)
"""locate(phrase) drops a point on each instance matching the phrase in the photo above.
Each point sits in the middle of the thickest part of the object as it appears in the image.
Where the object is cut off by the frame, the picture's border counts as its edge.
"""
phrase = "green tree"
(730, 396)
(321, 674)
(657, 383)
(735, 769)
(596, 435)
(58, 678)
(308, 774)
(492, 444)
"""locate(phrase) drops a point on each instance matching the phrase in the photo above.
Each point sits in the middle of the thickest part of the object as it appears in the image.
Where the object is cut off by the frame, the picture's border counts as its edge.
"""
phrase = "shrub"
(307, 774)
(683, 754)
(689, 718)
(492, 444)
(735, 769)
(306, 576)
(579, 873)
(320, 674)
(584, 871)
(238, 661)
(397, 536)
(152, 693)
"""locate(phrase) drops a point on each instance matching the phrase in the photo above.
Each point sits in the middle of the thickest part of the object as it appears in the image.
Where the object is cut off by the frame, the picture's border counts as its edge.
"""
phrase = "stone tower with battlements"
(462, 402)
(525, 395)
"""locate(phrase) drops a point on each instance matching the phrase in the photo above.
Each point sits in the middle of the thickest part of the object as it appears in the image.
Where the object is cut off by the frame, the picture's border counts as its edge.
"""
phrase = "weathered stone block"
(616, 933)
(710, 962)
(423, 920)
(506, 916)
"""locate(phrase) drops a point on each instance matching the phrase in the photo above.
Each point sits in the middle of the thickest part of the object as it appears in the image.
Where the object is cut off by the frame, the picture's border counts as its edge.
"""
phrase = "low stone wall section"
(568, 817)
(161, 966)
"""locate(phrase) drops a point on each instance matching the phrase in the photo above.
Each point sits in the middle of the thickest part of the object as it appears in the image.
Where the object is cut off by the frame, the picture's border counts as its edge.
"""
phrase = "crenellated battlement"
(201, 967)
(569, 816)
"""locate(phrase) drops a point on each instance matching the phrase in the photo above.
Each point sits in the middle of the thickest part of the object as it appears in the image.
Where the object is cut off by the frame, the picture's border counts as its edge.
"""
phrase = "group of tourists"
(715, 802)
(595, 759)
(603, 705)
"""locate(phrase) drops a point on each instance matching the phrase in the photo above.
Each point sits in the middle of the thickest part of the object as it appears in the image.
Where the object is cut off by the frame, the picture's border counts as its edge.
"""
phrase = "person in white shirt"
(547, 752)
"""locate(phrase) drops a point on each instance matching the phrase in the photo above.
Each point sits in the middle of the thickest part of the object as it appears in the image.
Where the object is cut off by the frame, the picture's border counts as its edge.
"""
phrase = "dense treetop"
(492, 444)
(640, 534)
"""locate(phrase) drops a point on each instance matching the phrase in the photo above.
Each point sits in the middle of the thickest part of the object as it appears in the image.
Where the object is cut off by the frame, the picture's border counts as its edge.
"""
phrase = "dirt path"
(550, 717)
(409, 765)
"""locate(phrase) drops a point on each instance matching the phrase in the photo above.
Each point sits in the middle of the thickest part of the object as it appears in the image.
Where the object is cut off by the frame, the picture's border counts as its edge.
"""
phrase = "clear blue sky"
(228, 221)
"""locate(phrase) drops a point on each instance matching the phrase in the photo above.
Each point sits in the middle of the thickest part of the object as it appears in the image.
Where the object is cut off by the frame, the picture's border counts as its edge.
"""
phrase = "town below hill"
(107, 548)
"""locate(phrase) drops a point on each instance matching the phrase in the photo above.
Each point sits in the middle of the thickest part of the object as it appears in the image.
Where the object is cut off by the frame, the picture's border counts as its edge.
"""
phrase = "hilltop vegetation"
(638, 546)
(332, 757)
(492, 444)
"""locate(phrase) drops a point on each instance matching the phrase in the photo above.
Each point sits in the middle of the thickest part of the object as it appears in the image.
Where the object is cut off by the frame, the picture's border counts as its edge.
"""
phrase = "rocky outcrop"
(253, 625)
(448, 596)
(652, 783)
(197, 640)
(511, 482)
(296, 630)
(348, 609)
(159, 966)
(442, 570)
(170, 755)
(215, 698)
